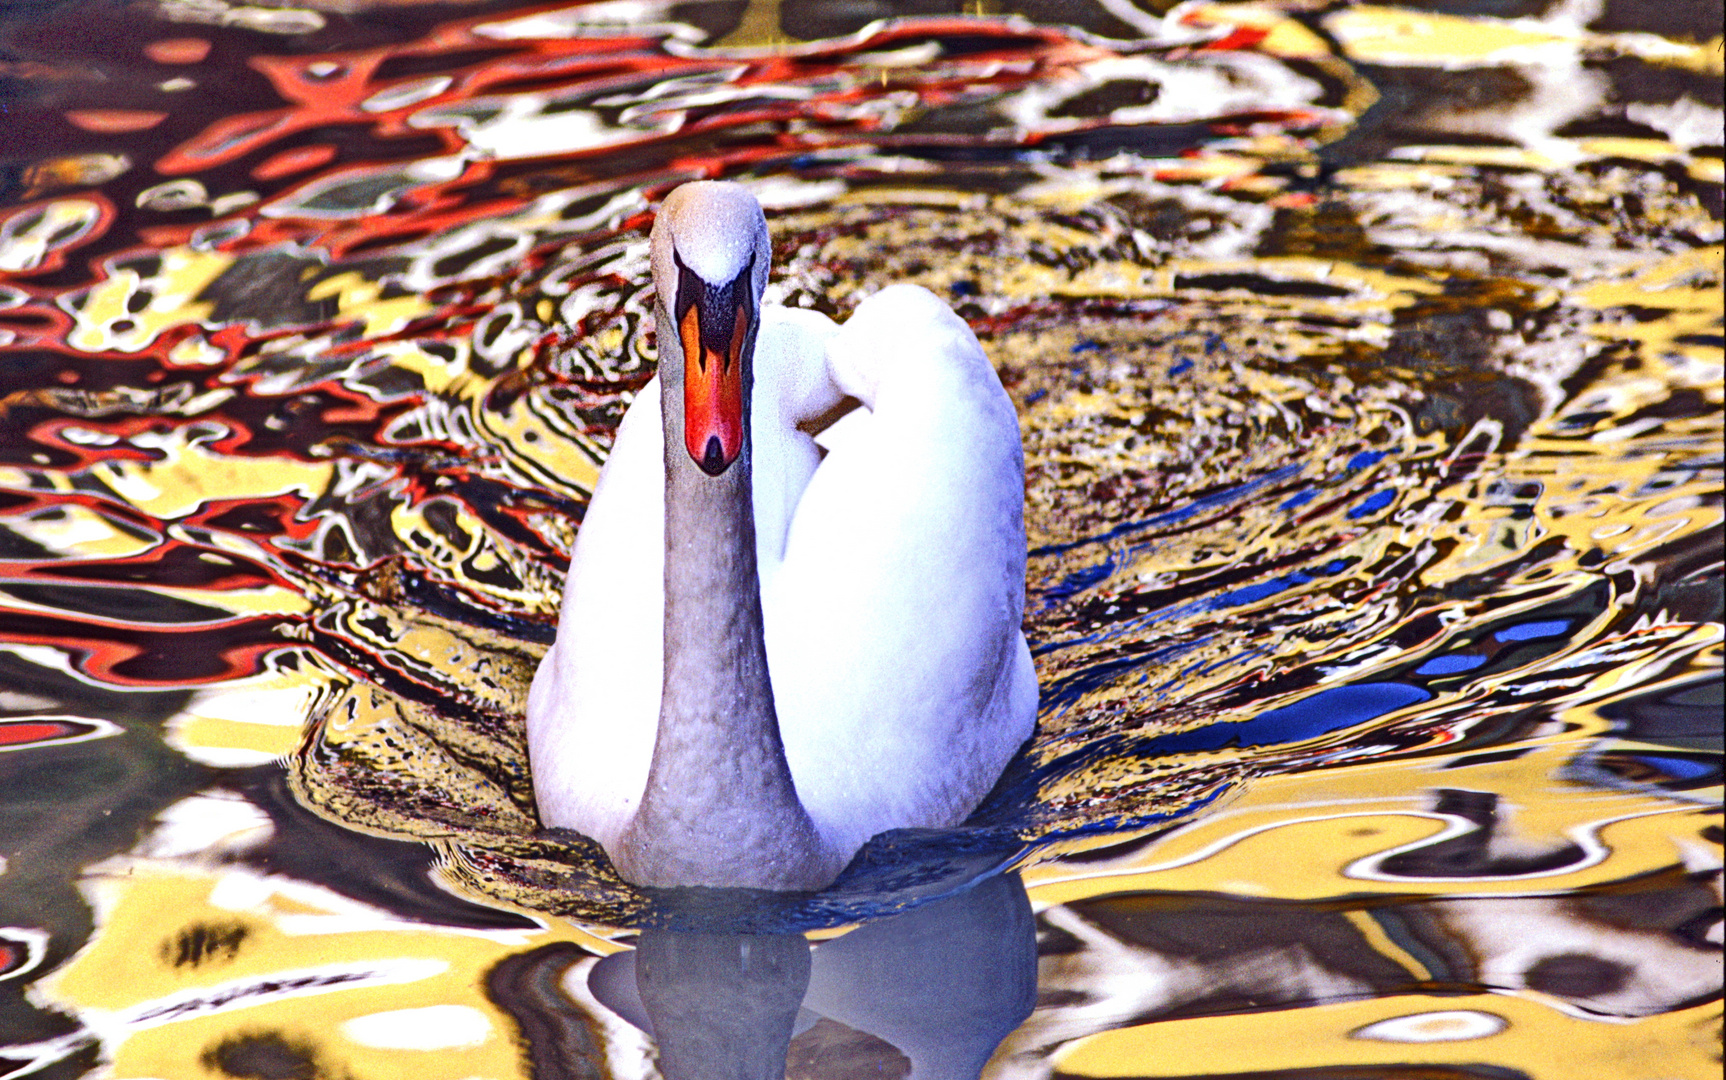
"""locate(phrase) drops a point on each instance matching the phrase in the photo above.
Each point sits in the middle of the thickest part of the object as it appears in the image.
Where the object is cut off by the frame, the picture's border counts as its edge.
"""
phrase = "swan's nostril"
(713, 457)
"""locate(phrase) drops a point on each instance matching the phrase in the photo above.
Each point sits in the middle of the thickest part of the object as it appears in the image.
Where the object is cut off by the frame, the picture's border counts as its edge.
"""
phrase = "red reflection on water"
(33, 731)
(253, 150)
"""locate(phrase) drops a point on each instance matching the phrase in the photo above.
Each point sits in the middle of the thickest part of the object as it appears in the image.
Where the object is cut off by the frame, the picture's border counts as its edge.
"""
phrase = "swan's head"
(710, 262)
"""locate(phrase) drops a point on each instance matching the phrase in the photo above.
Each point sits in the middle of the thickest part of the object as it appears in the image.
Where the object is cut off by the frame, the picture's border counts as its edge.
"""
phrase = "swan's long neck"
(720, 807)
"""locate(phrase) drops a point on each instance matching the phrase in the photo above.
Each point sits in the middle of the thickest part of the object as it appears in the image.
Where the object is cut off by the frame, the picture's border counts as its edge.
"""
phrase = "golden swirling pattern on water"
(1369, 367)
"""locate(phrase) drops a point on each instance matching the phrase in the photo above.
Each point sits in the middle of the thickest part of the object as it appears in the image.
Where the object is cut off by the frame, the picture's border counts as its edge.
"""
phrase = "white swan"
(766, 656)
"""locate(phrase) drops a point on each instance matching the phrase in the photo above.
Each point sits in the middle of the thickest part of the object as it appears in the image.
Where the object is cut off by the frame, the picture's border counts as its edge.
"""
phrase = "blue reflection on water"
(1450, 665)
(1326, 711)
(1533, 631)
(1678, 768)
(1375, 502)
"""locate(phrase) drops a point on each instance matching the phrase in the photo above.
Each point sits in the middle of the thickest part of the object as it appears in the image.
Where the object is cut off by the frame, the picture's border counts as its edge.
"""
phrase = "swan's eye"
(690, 288)
(739, 334)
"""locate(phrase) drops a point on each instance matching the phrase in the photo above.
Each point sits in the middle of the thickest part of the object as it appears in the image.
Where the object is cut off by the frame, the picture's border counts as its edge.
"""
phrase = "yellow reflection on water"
(192, 961)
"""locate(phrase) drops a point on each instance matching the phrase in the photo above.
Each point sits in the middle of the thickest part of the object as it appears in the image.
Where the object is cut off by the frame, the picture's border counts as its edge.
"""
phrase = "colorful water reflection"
(1369, 363)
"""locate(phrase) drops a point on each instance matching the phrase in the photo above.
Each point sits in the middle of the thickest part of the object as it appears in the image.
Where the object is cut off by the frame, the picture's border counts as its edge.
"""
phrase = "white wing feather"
(900, 674)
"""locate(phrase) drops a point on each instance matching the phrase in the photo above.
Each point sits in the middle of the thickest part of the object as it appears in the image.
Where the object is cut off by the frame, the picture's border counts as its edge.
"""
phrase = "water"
(1368, 362)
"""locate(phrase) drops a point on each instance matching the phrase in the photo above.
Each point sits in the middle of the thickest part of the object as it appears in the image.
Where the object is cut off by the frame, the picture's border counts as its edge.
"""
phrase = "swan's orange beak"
(713, 343)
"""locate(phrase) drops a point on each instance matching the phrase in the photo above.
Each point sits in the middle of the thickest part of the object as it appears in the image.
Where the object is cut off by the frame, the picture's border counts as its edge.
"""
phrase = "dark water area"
(1369, 368)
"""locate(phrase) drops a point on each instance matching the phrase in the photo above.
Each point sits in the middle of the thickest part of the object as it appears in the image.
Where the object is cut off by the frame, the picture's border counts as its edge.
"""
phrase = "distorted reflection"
(927, 994)
(1389, 969)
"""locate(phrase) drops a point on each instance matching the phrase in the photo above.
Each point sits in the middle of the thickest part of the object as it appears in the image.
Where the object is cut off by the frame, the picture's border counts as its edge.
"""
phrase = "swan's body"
(890, 580)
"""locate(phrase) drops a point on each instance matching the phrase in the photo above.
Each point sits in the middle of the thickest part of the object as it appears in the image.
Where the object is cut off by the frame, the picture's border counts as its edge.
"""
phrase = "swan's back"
(900, 675)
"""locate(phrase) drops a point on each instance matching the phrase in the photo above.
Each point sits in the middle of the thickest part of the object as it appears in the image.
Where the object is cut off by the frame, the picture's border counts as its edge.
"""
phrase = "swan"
(770, 650)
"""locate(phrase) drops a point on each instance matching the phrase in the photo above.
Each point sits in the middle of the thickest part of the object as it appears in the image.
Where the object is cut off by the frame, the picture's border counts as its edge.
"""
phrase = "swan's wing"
(594, 708)
(898, 665)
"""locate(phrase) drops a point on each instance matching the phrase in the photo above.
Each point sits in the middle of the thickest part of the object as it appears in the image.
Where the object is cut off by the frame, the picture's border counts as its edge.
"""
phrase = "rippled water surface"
(1368, 361)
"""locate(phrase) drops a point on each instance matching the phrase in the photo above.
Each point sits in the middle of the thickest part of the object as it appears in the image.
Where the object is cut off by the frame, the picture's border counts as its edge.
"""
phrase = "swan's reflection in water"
(927, 994)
